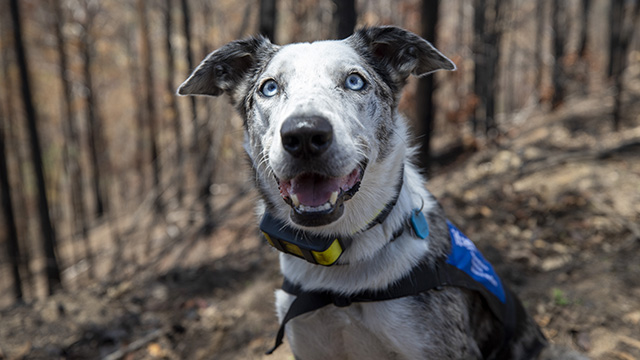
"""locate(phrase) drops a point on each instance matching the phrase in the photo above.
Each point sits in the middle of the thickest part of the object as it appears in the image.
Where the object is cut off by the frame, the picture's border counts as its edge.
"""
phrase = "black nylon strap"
(424, 277)
(304, 303)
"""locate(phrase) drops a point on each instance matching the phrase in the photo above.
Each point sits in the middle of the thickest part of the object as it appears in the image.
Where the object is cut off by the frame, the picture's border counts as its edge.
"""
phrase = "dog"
(367, 252)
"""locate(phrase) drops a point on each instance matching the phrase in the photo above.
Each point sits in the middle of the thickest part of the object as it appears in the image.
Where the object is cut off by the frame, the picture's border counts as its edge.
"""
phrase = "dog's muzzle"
(316, 198)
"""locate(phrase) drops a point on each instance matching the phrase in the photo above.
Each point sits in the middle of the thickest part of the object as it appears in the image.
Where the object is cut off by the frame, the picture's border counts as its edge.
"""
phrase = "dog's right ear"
(225, 68)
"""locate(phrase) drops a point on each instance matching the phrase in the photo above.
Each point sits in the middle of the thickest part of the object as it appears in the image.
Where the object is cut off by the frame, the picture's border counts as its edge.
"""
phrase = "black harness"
(464, 267)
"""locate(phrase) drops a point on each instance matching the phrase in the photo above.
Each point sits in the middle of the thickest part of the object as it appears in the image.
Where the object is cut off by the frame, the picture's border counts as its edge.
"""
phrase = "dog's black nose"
(306, 136)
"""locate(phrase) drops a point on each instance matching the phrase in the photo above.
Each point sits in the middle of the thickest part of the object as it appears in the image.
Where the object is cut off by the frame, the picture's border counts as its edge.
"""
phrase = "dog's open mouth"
(318, 200)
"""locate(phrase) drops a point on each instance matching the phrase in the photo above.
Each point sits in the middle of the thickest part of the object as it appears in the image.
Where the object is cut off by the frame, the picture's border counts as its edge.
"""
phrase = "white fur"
(378, 330)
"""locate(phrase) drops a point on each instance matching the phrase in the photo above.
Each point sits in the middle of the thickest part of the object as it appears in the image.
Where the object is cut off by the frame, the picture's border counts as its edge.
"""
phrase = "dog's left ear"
(224, 69)
(400, 52)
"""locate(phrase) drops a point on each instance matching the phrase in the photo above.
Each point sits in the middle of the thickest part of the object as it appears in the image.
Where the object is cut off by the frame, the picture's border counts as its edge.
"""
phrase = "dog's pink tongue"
(314, 190)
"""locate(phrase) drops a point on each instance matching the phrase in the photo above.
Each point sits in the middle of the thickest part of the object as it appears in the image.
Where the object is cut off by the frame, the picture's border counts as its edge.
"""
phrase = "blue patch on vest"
(466, 257)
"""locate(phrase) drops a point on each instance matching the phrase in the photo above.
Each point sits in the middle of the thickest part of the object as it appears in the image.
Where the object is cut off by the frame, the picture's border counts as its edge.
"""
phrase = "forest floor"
(555, 207)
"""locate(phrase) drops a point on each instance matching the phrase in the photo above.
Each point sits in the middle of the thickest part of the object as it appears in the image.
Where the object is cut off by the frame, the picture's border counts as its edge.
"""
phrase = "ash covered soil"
(555, 207)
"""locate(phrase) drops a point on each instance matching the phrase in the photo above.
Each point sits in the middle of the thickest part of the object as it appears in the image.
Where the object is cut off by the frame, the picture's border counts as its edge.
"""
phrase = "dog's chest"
(377, 330)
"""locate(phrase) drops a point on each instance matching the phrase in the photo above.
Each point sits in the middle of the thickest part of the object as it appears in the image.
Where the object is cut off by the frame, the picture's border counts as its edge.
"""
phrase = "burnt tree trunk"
(186, 22)
(616, 20)
(480, 65)
(494, 38)
(173, 110)
(584, 29)
(13, 249)
(149, 100)
(347, 17)
(539, 48)
(71, 148)
(94, 122)
(19, 200)
(619, 62)
(426, 85)
(268, 13)
(487, 37)
(52, 269)
(560, 28)
(133, 69)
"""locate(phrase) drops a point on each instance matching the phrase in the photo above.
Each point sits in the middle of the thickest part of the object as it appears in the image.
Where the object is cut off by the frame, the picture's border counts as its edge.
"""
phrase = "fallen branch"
(120, 353)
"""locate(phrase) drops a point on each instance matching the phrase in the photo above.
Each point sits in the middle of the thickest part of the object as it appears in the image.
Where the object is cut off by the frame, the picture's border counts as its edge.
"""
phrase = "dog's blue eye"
(354, 82)
(269, 88)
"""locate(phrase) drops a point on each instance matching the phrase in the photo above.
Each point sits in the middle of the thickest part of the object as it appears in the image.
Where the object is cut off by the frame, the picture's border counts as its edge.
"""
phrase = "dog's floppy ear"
(400, 52)
(225, 68)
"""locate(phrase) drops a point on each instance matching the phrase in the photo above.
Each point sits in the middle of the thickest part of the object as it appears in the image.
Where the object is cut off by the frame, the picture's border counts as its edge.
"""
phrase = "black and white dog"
(373, 270)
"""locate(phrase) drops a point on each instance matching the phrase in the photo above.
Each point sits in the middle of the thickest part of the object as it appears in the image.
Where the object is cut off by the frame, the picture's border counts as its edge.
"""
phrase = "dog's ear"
(400, 52)
(225, 68)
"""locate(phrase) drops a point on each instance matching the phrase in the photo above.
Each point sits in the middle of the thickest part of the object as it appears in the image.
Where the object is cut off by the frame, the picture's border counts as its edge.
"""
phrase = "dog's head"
(316, 115)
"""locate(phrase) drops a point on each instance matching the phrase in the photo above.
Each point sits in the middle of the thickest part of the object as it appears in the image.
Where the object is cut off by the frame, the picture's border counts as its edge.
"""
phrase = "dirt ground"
(555, 207)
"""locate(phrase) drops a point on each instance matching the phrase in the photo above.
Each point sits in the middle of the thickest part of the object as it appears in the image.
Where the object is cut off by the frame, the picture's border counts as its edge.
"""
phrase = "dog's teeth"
(333, 199)
(305, 208)
(294, 199)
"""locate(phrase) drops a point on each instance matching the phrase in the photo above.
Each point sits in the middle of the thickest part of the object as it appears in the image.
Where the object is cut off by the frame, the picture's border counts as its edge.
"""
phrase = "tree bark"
(268, 14)
(559, 19)
(97, 145)
(147, 70)
(13, 249)
(133, 69)
(584, 30)
(54, 282)
(186, 22)
(620, 63)
(347, 17)
(426, 85)
(616, 19)
(487, 37)
(173, 110)
(71, 149)
(539, 49)
(493, 40)
(19, 200)
(480, 64)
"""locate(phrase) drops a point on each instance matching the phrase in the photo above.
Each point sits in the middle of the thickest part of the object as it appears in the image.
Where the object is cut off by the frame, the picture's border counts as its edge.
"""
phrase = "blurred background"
(127, 222)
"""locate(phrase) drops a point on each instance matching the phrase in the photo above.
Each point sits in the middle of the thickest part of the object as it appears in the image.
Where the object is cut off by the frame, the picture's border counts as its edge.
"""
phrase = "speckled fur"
(450, 323)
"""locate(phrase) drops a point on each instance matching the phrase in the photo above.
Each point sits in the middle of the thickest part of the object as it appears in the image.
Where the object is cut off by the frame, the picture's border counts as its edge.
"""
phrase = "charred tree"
(52, 269)
(560, 28)
(539, 48)
(149, 99)
(133, 69)
(71, 150)
(13, 249)
(616, 22)
(479, 60)
(426, 85)
(97, 146)
(186, 22)
(487, 37)
(493, 39)
(347, 17)
(268, 13)
(584, 29)
(622, 29)
(18, 198)
(173, 110)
